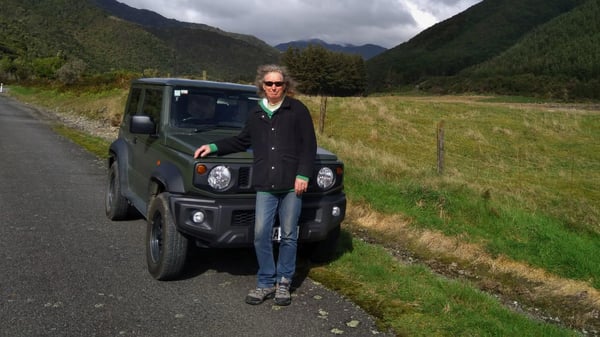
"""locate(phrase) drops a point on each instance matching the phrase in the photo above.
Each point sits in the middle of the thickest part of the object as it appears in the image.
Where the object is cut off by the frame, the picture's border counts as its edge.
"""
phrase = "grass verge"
(410, 300)
(96, 145)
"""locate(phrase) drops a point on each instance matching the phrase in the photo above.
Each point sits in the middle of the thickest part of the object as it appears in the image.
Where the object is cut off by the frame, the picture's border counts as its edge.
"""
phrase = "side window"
(153, 104)
(134, 101)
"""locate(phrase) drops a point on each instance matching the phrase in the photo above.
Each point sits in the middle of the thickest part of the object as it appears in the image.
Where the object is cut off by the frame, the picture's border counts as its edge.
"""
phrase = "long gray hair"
(262, 71)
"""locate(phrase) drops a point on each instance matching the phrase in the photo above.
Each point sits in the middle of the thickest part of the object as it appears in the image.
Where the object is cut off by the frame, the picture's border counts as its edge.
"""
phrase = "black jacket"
(284, 145)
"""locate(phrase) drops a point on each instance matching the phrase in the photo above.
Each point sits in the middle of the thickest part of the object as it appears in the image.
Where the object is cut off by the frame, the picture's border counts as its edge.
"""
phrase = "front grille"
(242, 218)
(244, 177)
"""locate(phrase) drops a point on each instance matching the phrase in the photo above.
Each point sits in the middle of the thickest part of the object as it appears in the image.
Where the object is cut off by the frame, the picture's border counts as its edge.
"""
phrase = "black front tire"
(117, 207)
(166, 247)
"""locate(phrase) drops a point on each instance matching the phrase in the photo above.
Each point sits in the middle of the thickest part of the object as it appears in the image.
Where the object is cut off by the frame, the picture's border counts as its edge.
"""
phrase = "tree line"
(317, 70)
(321, 72)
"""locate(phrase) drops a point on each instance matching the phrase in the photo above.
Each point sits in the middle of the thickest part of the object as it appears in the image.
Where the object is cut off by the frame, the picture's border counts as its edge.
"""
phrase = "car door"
(143, 155)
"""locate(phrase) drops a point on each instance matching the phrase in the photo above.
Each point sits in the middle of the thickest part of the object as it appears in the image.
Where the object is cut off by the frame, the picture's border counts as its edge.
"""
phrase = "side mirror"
(142, 124)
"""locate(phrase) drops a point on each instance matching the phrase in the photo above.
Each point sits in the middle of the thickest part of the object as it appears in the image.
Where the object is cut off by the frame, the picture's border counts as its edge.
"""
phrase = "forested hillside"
(560, 58)
(546, 48)
(469, 38)
(40, 37)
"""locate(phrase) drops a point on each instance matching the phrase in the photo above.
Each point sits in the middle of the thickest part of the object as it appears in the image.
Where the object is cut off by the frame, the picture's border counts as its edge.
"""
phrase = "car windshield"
(205, 109)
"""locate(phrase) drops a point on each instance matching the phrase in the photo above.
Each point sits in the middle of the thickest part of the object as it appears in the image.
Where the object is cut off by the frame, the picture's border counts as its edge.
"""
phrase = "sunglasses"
(277, 84)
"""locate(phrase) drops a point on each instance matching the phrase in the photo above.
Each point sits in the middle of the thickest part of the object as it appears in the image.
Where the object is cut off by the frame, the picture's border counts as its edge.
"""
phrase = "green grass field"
(521, 180)
(515, 212)
(518, 199)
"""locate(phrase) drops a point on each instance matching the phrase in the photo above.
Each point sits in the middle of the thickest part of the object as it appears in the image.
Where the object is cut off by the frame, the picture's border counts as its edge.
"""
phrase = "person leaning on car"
(281, 133)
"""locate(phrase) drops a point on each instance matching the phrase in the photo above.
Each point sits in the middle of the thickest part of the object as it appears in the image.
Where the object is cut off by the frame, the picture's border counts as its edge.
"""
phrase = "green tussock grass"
(523, 181)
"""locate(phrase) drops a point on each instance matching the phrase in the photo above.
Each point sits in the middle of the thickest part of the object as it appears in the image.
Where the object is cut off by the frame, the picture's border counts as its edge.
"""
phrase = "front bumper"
(230, 222)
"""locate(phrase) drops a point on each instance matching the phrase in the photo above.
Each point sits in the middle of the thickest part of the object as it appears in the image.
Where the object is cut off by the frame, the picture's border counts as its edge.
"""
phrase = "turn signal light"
(201, 169)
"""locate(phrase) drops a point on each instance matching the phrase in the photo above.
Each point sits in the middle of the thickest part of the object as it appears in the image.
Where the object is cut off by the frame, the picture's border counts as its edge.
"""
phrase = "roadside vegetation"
(504, 242)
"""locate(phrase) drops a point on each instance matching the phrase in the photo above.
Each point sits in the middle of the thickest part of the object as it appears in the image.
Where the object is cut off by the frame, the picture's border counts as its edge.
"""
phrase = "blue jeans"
(288, 205)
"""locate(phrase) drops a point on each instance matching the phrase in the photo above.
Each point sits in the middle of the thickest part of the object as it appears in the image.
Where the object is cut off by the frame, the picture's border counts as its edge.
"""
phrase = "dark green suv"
(210, 201)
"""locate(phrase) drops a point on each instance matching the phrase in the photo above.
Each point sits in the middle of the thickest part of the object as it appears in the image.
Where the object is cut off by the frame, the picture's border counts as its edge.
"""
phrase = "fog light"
(336, 211)
(198, 217)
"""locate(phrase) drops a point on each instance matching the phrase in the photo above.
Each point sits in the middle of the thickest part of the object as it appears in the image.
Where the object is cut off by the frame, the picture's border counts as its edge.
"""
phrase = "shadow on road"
(242, 261)
(234, 261)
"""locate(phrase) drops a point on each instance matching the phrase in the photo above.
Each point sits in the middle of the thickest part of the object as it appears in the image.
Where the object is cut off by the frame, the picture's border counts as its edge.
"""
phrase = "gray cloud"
(387, 23)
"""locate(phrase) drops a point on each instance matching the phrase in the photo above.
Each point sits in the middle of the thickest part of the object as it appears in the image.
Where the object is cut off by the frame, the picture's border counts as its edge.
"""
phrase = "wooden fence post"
(440, 147)
(322, 113)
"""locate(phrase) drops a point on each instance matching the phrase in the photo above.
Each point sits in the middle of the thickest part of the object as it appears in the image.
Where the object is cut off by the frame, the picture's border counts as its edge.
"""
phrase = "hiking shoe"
(259, 295)
(282, 294)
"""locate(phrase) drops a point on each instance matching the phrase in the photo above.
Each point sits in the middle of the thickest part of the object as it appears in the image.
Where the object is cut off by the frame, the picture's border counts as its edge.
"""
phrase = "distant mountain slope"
(154, 20)
(471, 37)
(106, 40)
(560, 59)
(367, 51)
(568, 45)
(77, 29)
(142, 17)
(197, 46)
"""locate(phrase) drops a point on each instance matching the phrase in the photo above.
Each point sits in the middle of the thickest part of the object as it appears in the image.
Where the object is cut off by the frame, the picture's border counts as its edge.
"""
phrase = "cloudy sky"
(387, 23)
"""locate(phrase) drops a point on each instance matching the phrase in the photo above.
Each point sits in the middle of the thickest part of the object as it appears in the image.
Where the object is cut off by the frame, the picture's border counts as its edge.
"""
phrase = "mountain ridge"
(473, 36)
(151, 19)
(367, 51)
(107, 41)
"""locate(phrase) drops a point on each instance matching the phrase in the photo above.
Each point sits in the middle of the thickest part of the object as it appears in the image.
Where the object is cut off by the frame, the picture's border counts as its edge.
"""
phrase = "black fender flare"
(169, 176)
(118, 152)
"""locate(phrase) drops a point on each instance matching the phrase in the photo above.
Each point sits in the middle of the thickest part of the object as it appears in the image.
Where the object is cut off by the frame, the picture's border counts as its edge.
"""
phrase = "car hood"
(187, 143)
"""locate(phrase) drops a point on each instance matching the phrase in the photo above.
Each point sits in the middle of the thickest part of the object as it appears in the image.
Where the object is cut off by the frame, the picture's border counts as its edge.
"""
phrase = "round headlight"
(219, 178)
(325, 178)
